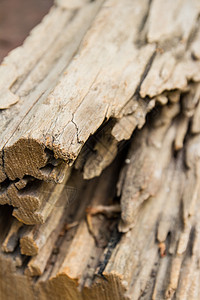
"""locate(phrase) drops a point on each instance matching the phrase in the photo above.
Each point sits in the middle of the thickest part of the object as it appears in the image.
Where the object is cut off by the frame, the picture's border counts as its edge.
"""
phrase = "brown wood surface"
(104, 103)
(57, 95)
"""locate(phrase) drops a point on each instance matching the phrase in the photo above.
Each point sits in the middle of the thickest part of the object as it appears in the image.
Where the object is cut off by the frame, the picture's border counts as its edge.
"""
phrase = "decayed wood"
(98, 191)
(149, 155)
(107, 139)
(62, 142)
(48, 197)
(30, 72)
(133, 65)
(156, 259)
(126, 124)
(126, 76)
(33, 200)
(11, 240)
(142, 177)
(34, 238)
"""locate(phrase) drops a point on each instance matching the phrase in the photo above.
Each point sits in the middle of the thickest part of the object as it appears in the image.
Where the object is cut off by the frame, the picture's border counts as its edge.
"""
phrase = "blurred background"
(17, 18)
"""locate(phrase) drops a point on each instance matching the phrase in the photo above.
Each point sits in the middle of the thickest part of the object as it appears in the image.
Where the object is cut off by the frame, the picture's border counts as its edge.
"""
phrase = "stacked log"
(99, 164)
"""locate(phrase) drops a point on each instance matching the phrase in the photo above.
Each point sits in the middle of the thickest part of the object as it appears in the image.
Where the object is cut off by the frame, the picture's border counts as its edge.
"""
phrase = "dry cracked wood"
(119, 72)
(168, 50)
(33, 238)
(154, 259)
(151, 151)
(130, 68)
(109, 62)
(149, 155)
(30, 72)
(157, 259)
(88, 75)
(170, 69)
(33, 200)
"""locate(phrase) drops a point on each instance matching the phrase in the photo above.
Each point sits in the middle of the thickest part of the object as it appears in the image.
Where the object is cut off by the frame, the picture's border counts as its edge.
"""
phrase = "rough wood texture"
(124, 82)
(153, 260)
(30, 72)
(66, 110)
(130, 62)
(121, 60)
(156, 259)
(149, 156)
(33, 200)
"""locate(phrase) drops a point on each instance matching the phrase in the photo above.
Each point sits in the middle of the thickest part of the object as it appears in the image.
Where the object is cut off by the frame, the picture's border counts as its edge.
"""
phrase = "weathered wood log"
(116, 78)
(114, 264)
(59, 134)
(79, 109)
(31, 72)
(155, 259)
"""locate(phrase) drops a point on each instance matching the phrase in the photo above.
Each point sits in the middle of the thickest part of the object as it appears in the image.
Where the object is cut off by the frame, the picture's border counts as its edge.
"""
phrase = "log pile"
(100, 159)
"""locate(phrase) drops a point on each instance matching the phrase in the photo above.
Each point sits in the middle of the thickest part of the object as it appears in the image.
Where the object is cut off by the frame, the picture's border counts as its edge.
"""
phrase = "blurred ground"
(17, 18)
